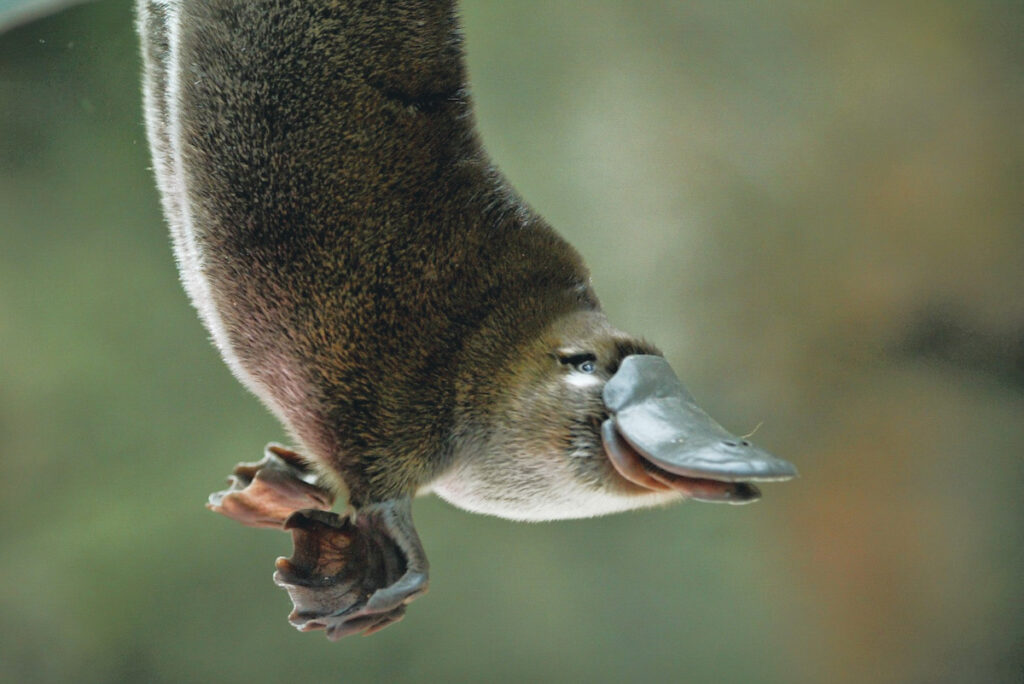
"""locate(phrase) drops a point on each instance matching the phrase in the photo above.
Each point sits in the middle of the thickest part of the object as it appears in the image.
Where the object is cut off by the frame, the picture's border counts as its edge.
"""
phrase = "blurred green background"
(815, 209)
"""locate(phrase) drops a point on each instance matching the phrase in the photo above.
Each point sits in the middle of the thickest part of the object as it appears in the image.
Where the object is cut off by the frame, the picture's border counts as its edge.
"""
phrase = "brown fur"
(378, 280)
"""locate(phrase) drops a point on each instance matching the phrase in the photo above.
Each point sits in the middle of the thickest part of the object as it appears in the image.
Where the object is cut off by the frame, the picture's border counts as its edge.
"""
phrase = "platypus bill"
(366, 272)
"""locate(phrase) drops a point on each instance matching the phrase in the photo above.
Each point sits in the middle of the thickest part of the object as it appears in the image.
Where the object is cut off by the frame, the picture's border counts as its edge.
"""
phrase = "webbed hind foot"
(265, 493)
(350, 575)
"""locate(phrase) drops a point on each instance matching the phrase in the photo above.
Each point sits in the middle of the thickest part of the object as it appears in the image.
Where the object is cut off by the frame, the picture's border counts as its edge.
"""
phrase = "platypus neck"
(505, 345)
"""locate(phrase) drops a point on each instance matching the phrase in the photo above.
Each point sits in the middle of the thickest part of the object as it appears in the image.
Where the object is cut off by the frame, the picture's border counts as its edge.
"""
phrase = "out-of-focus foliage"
(815, 209)
(15, 12)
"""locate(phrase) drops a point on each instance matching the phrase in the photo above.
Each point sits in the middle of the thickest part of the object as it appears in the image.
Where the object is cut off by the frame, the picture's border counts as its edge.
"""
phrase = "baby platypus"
(365, 270)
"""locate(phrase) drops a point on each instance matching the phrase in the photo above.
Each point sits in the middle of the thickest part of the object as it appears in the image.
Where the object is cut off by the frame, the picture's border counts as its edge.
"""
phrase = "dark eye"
(584, 363)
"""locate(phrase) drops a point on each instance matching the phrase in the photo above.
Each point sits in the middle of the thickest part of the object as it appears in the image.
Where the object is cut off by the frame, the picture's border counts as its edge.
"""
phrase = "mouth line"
(633, 467)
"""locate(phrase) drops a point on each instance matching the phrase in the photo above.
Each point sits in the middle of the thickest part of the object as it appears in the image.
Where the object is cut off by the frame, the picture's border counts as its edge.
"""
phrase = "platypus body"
(365, 270)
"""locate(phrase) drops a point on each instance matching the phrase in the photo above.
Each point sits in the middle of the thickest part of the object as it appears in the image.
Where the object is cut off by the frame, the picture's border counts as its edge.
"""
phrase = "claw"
(349, 575)
(346, 574)
(264, 493)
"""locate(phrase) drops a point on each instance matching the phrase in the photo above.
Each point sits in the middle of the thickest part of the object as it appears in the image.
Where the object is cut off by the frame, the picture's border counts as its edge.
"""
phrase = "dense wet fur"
(359, 262)
(533, 449)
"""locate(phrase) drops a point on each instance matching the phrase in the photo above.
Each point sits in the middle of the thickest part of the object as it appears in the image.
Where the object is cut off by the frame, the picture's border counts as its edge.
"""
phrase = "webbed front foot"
(356, 574)
(266, 492)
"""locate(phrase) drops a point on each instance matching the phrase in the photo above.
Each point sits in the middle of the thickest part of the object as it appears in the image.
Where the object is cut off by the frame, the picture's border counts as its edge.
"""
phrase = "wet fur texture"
(362, 266)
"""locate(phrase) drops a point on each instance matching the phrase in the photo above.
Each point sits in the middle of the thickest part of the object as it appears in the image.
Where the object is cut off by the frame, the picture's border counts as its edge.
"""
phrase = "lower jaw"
(647, 477)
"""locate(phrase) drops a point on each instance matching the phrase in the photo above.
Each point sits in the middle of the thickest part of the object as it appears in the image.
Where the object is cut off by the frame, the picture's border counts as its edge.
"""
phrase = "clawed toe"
(264, 493)
(348, 575)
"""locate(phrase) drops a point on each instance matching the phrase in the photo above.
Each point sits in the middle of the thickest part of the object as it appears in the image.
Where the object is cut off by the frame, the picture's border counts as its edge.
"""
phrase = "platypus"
(367, 272)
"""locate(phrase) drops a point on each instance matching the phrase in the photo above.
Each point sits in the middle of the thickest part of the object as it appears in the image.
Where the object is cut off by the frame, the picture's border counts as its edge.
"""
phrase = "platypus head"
(586, 420)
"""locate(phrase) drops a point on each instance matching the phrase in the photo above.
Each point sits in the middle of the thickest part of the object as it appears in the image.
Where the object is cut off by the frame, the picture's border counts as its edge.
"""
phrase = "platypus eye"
(584, 362)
